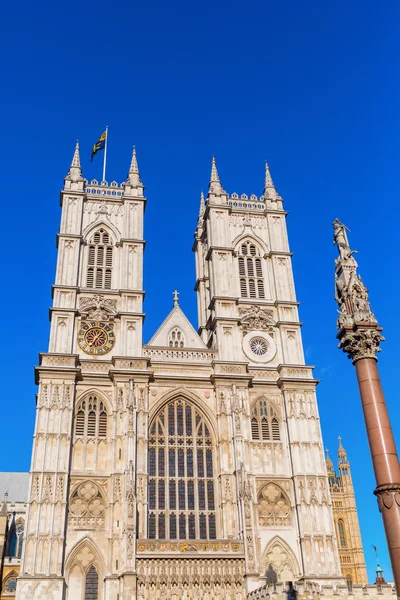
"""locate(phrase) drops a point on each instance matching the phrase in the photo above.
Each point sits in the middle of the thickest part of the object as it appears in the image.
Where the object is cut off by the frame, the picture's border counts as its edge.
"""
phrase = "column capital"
(360, 341)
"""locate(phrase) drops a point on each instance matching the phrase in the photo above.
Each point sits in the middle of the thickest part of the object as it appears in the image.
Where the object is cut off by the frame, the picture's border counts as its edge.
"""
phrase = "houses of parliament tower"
(191, 466)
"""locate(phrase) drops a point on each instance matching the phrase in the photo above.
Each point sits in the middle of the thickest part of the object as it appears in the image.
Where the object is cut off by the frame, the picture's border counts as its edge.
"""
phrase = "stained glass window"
(161, 525)
(203, 526)
(172, 526)
(181, 474)
(92, 584)
(192, 527)
(342, 536)
(264, 422)
(161, 494)
(11, 585)
(182, 526)
(152, 525)
(152, 461)
(161, 471)
(152, 493)
(271, 575)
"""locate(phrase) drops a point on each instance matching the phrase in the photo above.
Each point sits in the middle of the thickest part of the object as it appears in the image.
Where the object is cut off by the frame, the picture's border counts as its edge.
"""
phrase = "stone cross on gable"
(176, 299)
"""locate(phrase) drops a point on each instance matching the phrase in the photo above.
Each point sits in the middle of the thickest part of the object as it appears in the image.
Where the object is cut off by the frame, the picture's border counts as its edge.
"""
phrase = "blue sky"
(312, 87)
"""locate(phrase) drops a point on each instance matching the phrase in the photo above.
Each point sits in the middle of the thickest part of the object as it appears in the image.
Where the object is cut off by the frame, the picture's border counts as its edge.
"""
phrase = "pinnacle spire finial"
(76, 160)
(134, 166)
(75, 170)
(328, 461)
(269, 187)
(133, 178)
(215, 183)
(202, 203)
(342, 455)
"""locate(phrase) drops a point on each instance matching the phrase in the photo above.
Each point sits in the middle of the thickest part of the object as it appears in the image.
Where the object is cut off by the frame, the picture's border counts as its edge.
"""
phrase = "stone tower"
(81, 516)
(351, 552)
(191, 466)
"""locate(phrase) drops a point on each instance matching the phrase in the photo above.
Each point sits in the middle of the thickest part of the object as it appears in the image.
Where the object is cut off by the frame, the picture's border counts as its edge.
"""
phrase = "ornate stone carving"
(361, 343)
(359, 333)
(273, 506)
(87, 505)
(256, 318)
(388, 495)
(98, 308)
(130, 490)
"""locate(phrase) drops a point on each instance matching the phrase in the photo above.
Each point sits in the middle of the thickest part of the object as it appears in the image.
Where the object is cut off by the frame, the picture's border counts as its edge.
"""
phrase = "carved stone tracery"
(257, 318)
(273, 506)
(98, 308)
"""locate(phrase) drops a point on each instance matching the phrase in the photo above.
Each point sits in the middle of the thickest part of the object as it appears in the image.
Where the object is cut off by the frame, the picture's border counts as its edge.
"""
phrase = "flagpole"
(105, 156)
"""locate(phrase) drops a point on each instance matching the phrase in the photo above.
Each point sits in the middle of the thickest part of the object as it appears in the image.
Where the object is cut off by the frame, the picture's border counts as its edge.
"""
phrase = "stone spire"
(75, 171)
(269, 188)
(202, 204)
(215, 186)
(133, 181)
(359, 333)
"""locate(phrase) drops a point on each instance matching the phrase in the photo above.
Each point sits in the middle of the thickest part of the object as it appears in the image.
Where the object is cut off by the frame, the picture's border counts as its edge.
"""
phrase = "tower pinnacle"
(215, 184)
(202, 203)
(342, 455)
(75, 171)
(133, 179)
(269, 187)
(329, 464)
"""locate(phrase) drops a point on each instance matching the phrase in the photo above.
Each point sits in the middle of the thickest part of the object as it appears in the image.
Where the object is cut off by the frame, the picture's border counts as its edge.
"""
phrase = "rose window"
(258, 346)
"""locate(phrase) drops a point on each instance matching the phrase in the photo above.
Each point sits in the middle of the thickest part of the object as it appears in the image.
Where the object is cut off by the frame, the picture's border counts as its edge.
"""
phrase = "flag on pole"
(99, 145)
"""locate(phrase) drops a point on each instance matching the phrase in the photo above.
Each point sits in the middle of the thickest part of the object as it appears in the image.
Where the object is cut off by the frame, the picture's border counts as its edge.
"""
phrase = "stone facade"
(193, 466)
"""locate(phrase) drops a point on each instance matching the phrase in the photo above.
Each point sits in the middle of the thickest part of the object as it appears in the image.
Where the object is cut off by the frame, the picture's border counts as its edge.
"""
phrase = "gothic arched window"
(342, 536)
(250, 271)
(271, 575)
(92, 584)
(264, 422)
(181, 474)
(16, 539)
(100, 261)
(176, 338)
(91, 418)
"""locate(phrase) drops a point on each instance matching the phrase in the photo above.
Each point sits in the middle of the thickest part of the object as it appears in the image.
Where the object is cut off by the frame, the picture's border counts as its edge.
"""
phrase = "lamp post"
(360, 337)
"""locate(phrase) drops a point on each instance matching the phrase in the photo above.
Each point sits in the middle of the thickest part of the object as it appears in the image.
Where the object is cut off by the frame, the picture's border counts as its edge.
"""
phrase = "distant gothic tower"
(193, 466)
(351, 552)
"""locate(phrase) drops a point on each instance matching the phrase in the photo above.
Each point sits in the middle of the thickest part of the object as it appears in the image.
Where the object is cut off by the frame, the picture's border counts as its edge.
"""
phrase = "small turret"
(380, 576)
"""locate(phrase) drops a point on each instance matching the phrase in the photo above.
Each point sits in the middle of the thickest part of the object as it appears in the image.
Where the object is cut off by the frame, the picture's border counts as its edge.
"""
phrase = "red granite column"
(384, 456)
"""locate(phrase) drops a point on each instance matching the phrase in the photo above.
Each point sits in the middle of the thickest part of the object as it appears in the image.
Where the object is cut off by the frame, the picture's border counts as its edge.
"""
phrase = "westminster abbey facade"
(192, 466)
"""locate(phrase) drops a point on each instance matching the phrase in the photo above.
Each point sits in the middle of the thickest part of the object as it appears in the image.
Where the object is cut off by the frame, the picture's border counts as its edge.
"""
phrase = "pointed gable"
(177, 332)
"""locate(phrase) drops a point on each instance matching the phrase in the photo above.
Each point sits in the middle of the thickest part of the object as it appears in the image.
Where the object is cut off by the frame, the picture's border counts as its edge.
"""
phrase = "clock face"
(95, 337)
